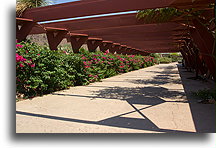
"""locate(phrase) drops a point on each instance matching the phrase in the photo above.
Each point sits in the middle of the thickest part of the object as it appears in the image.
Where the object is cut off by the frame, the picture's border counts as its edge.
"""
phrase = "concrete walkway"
(150, 100)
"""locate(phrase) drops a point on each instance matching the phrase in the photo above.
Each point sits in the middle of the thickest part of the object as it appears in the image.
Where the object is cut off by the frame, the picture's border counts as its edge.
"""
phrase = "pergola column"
(55, 36)
(77, 40)
(105, 45)
(93, 43)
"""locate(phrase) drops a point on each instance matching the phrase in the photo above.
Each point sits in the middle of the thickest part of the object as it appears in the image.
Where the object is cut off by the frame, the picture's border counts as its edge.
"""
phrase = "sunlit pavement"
(150, 100)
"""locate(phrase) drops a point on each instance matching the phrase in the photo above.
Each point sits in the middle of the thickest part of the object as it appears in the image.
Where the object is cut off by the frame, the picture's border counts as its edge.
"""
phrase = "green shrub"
(164, 60)
(40, 70)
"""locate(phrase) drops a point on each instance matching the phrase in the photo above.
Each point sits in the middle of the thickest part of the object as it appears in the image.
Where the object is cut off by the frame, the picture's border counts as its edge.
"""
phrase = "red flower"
(21, 65)
(32, 65)
(19, 46)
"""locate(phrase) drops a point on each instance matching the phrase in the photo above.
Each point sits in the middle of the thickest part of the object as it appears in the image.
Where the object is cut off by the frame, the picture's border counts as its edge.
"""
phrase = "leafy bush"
(164, 60)
(175, 57)
(40, 70)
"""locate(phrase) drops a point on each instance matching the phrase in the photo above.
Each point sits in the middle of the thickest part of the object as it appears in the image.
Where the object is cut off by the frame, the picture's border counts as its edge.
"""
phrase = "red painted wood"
(55, 37)
(25, 27)
(105, 45)
(77, 40)
(93, 43)
(86, 8)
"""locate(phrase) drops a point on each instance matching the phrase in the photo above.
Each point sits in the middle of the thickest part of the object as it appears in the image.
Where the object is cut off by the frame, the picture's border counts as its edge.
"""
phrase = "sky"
(61, 1)
(65, 1)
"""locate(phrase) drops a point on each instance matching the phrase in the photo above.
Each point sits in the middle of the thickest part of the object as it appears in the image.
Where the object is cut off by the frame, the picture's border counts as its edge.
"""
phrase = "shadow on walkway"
(203, 114)
(149, 96)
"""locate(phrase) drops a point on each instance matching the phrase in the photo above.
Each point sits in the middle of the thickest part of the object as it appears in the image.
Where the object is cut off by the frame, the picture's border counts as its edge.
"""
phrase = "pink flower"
(32, 65)
(38, 54)
(21, 65)
(19, 58)
(85, 63)
(19, 46)
(83, 58)
(23, 59)
(87, 66)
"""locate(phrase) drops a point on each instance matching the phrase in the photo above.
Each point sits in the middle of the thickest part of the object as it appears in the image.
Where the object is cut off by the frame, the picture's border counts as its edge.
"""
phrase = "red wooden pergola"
(125, 34)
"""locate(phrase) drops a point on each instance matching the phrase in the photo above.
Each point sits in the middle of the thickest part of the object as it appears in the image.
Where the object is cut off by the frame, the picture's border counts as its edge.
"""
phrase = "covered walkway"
(149, 100)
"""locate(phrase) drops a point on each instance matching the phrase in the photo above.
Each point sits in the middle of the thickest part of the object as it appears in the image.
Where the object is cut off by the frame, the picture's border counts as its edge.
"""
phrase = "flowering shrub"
(100, 65)
(40, 70)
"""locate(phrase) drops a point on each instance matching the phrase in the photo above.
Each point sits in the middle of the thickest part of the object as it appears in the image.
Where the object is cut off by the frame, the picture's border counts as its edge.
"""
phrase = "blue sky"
(62, 1)
(65, 1)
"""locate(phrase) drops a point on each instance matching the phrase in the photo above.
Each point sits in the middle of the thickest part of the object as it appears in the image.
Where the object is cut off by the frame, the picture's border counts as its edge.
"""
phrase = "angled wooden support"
(188, 58)
(140, 52)
(134, 51)
(93, 43)
(55, 36)
(205, 35)
(77, 40)
(185, 57)
(204, 50)
(105, 45)
(23, 28)
(200, 67)
(115, 47)
(143, 53)
(128, 50)
(122, 49)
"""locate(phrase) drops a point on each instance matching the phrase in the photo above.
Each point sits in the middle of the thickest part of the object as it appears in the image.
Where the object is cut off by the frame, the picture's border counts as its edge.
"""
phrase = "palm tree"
(22, 5)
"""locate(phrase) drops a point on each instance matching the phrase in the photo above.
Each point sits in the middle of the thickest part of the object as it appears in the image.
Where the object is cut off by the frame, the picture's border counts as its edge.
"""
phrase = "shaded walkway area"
(149, 100)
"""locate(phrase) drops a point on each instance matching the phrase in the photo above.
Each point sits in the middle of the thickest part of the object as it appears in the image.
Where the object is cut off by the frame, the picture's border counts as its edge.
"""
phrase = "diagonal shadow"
(114, 122)
(140, 95)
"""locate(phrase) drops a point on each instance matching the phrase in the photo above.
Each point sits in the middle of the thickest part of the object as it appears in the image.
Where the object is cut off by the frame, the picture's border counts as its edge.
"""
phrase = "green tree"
(22, 5)
(160, 15)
